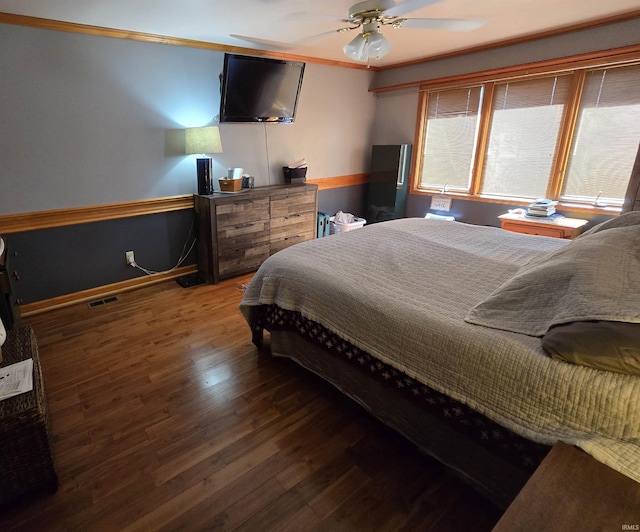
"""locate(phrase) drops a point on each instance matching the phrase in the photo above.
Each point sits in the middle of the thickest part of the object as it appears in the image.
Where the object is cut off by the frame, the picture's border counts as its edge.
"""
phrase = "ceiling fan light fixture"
(369, 44)
(378, 46)
(357, 48)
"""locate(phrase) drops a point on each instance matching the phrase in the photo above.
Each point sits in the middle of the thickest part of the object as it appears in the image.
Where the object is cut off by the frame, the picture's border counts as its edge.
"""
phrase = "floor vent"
(103, 301)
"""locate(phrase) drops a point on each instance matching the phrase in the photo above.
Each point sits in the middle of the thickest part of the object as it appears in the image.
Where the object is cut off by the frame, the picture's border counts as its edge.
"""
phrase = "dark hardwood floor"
(166, 417)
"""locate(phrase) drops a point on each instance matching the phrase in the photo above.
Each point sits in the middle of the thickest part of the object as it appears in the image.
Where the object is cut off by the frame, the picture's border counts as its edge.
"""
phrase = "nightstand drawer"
(556, 227)
(557, 232)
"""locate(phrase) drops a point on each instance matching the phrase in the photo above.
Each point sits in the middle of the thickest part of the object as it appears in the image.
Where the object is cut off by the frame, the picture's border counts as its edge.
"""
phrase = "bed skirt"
(489, 457)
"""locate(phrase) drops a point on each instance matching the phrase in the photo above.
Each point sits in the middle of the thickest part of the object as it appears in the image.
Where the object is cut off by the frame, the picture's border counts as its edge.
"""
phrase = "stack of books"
(542, 208)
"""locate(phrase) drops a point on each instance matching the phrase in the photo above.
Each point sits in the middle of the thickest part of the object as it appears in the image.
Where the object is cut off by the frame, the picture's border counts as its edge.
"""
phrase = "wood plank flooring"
(166, 417)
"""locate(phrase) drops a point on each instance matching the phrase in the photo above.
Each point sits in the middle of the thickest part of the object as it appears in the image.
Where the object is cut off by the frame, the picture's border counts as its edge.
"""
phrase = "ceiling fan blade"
(317, 37)
(450, 24)
(282, 46)
(271, 45)
(408, 6)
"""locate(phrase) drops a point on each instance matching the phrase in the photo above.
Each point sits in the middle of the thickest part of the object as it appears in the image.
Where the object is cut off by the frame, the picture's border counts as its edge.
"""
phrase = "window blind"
(452, 122)
(605, 141)
(525, 124)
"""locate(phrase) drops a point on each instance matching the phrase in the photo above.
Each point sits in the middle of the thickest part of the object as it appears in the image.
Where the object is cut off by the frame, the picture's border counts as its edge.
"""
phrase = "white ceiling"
(286, 21)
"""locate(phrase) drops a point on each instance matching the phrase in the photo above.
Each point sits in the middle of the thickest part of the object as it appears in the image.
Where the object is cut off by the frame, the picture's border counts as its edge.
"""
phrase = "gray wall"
(578, 42)
(92, 120)
(88, 120)
(64, 260)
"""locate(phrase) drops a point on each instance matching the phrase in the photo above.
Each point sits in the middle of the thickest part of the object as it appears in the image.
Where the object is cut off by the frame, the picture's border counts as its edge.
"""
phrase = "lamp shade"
(202, 140)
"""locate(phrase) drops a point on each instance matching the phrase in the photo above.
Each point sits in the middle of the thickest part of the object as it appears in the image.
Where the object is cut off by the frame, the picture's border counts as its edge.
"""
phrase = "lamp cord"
(266, 149)
(183, 255)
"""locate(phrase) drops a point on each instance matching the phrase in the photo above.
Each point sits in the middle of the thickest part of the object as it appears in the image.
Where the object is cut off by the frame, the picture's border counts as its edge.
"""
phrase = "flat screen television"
(259, 89)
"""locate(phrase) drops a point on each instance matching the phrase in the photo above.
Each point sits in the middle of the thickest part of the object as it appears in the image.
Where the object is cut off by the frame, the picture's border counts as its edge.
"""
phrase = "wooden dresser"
(238, 232)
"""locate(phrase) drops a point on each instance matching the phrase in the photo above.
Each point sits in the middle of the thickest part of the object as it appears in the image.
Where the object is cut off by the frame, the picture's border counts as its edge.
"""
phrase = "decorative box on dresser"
(238, 232)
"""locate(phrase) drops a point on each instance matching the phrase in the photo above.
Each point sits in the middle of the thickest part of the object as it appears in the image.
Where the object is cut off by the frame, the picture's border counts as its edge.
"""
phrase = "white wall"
(90, 120)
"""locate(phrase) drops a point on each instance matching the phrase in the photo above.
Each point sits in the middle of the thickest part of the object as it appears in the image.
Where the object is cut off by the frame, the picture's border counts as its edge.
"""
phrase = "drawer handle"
(242, 202)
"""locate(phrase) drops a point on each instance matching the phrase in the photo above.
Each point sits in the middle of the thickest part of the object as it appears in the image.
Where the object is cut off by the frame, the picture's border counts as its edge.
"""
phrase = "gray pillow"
(607, 345)
(624, 220)
(594, 278)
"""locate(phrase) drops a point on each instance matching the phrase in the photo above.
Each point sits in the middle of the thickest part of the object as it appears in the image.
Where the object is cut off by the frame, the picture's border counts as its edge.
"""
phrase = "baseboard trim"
(29, 309)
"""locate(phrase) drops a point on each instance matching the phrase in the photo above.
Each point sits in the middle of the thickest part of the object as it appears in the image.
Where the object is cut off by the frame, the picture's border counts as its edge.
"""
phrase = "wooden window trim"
(578, 65)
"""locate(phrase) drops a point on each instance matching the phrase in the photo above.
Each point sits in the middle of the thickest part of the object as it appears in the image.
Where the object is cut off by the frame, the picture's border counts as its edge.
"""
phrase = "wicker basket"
(26, 460)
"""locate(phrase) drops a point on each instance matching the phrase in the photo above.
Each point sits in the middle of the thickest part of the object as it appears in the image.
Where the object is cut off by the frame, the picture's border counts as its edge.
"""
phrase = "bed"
(463, 338)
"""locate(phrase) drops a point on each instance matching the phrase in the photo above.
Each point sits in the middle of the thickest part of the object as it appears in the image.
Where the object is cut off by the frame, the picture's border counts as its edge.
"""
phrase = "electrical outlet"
(130, 259)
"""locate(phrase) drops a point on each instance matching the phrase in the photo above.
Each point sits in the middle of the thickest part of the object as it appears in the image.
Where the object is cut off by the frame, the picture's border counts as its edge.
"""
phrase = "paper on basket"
(16, 379)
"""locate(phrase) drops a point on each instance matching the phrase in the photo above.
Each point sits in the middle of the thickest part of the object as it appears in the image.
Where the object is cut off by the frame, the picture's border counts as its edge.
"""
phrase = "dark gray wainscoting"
(64, 260)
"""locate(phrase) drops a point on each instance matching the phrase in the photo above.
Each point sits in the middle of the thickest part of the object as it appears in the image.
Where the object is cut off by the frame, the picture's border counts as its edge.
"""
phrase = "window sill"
(562, 206)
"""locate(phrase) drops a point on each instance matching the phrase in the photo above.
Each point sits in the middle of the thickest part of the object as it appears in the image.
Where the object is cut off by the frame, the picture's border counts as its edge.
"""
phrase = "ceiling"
(283, 22)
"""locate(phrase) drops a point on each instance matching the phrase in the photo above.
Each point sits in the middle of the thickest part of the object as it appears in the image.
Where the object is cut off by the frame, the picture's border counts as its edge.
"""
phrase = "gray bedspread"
(400, 290)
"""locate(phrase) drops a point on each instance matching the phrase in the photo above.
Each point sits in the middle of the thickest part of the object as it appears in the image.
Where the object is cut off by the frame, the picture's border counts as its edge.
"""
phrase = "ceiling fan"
(370, 16)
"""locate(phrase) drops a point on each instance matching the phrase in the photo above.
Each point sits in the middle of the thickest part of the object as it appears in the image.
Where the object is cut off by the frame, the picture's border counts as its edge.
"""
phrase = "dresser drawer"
(293, 223)
(291, 239)
(236, 261)
(237, 211)
(243, 234)
(293, 202)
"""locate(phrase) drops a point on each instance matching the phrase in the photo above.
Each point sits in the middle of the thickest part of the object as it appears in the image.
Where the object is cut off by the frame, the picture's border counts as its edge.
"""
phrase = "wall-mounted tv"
(259, 89)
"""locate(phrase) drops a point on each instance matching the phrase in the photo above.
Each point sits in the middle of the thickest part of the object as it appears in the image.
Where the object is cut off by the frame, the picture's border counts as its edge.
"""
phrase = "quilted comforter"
(400, 291)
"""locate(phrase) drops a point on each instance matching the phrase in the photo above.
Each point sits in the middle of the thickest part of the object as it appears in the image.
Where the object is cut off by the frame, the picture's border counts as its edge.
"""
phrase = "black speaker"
(205, 179)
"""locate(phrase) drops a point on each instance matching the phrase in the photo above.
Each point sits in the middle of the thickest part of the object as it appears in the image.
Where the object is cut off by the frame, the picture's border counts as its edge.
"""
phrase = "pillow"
(593, 278)
(624, 220)
(607, 345)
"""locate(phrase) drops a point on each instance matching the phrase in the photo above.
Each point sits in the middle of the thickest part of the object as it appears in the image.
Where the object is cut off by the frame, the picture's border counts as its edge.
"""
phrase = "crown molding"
(99, 31)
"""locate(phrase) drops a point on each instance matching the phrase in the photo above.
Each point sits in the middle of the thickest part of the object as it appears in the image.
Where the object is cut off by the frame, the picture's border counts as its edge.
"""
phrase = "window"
(606, 137)
(452, 123)
(571, 136)
(525, 124)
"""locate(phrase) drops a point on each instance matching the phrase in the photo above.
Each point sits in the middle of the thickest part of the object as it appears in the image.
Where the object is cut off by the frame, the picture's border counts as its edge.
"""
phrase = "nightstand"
(555, 227)
(570, 490)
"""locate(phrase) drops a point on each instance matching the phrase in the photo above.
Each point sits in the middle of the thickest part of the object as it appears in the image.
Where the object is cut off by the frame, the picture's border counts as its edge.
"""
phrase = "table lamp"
(203, 140)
